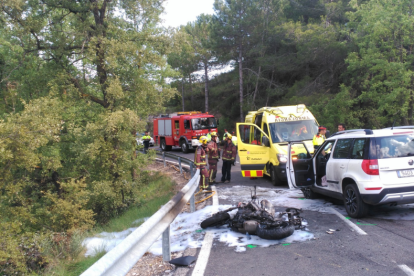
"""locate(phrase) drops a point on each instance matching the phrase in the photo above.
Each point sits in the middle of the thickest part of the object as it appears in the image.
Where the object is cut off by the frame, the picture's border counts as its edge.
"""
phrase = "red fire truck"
(182, 129)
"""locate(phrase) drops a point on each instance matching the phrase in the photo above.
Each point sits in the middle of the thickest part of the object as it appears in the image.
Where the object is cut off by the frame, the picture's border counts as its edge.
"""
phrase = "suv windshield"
(395, 146)
(203, 123)
(293, 131)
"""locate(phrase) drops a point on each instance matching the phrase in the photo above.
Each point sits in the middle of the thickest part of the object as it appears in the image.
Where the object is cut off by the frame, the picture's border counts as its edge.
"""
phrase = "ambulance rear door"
(253, 149)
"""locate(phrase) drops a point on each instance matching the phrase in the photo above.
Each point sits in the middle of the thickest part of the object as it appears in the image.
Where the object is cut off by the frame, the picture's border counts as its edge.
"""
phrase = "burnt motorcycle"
(258, 219)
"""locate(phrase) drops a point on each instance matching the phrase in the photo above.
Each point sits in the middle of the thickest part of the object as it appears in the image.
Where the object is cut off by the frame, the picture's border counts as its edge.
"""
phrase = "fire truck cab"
(182, 129)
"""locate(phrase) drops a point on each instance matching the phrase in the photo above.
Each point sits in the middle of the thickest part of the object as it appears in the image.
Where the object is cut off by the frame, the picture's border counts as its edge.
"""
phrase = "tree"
(380, 71)
(233, 24)
(199, 32)
(82, 78)
(184, 60)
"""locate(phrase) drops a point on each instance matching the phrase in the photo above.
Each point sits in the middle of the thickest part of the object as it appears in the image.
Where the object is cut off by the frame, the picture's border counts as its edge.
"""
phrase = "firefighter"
(319, 138)
(229, 155)
(225, 135)
(234, 141)
(213, 157)
(146, 140)
(200, 162)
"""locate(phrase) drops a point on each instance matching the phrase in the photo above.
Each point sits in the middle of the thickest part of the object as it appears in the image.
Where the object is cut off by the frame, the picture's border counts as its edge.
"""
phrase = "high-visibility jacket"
(146, 137)
(229, 151)
(318, 140)
(208, 137)
(200, 158)
(234, 140)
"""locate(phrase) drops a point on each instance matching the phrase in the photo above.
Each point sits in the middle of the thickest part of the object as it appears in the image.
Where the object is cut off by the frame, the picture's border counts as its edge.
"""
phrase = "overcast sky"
(179, 12)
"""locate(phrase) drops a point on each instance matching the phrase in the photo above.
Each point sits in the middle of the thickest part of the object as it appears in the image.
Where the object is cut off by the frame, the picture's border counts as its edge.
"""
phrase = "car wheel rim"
(183, 146)
(350, 200)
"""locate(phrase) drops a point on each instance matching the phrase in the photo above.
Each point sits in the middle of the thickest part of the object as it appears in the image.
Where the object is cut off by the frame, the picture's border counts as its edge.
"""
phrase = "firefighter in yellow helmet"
(201, 163)
(213, 157)
(319, 138)
(229, 155)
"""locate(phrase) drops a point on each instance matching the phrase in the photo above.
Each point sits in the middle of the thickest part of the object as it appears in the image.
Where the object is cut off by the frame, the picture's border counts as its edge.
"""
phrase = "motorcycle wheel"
(275, 233)
(216, 219)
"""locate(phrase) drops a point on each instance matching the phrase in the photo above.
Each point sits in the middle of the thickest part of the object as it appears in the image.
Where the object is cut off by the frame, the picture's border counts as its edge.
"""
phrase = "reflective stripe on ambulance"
(252, 173)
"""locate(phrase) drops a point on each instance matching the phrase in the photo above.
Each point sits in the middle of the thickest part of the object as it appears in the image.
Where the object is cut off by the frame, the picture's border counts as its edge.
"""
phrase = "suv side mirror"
(265, 141)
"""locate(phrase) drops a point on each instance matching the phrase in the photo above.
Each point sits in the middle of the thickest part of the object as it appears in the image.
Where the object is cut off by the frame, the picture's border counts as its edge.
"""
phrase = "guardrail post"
(179, 164)
(166, 249)
(163, 157)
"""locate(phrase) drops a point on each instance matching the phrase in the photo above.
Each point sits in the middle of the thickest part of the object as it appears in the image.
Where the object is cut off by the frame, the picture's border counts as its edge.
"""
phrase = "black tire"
(273, 175)
(354, 205)
(216, 219)
(184, 146)
(275, 233)
(164, 146)
(308, 193)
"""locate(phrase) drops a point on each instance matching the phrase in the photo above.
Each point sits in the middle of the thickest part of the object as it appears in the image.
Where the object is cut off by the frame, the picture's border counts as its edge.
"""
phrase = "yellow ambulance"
(264, 136)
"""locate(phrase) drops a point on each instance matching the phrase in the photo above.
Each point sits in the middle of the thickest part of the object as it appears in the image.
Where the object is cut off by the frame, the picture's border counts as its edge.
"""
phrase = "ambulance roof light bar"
(277, 111)
(300, 108)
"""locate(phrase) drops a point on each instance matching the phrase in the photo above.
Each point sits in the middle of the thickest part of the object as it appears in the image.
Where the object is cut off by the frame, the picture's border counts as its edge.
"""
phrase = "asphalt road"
(388, 245)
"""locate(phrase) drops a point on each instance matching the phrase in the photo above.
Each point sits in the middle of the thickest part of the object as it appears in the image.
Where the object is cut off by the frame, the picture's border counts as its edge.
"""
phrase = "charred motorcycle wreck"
(258, 219)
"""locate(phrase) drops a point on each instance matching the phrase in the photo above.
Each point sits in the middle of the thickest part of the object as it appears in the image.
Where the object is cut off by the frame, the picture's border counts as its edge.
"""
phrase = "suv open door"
(299, 168)
(253, 149)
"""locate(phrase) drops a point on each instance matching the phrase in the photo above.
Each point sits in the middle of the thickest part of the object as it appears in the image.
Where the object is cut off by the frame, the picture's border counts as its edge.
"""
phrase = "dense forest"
(349, 61)
(79, 78)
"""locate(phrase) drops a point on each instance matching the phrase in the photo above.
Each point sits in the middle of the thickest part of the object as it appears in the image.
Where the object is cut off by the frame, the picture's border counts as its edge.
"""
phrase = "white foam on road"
(282, 197)
(187, 233)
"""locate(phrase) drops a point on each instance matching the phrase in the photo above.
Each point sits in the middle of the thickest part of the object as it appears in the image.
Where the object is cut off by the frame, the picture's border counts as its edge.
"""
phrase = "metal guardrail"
(180, 160)
(124, 256)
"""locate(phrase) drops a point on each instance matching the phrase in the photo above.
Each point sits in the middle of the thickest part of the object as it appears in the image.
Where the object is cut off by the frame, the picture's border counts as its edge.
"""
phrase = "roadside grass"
(158, 192)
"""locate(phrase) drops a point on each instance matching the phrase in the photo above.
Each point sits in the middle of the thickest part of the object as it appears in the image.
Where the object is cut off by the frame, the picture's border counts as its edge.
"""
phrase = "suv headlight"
(282, 158)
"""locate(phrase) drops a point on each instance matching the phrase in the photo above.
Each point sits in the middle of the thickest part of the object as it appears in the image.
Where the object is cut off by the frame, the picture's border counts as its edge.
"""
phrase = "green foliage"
(156, 191)
(380, 71)
(77, 80)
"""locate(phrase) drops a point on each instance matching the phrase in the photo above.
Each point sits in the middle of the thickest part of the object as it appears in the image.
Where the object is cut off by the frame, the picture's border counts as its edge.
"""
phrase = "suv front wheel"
(354, 205)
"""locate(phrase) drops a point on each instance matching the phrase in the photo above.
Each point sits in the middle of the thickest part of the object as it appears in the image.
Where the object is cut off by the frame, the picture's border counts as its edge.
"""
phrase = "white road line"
(204, 254)
(350, 224)
(406, 269)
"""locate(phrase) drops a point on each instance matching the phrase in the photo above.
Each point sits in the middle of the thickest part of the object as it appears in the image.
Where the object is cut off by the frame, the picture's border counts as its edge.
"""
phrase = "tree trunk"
(206, 85)
(257, 85)
(182, 93)
(270, 86)
(191, 92)
(241, 80)
(99, 16)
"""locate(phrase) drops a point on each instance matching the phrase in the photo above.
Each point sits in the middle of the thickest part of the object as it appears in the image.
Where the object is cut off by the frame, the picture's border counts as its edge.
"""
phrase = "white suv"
(361, 167)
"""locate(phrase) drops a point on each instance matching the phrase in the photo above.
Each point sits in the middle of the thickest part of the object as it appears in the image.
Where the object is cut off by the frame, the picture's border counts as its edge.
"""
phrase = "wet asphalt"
(388, 244)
